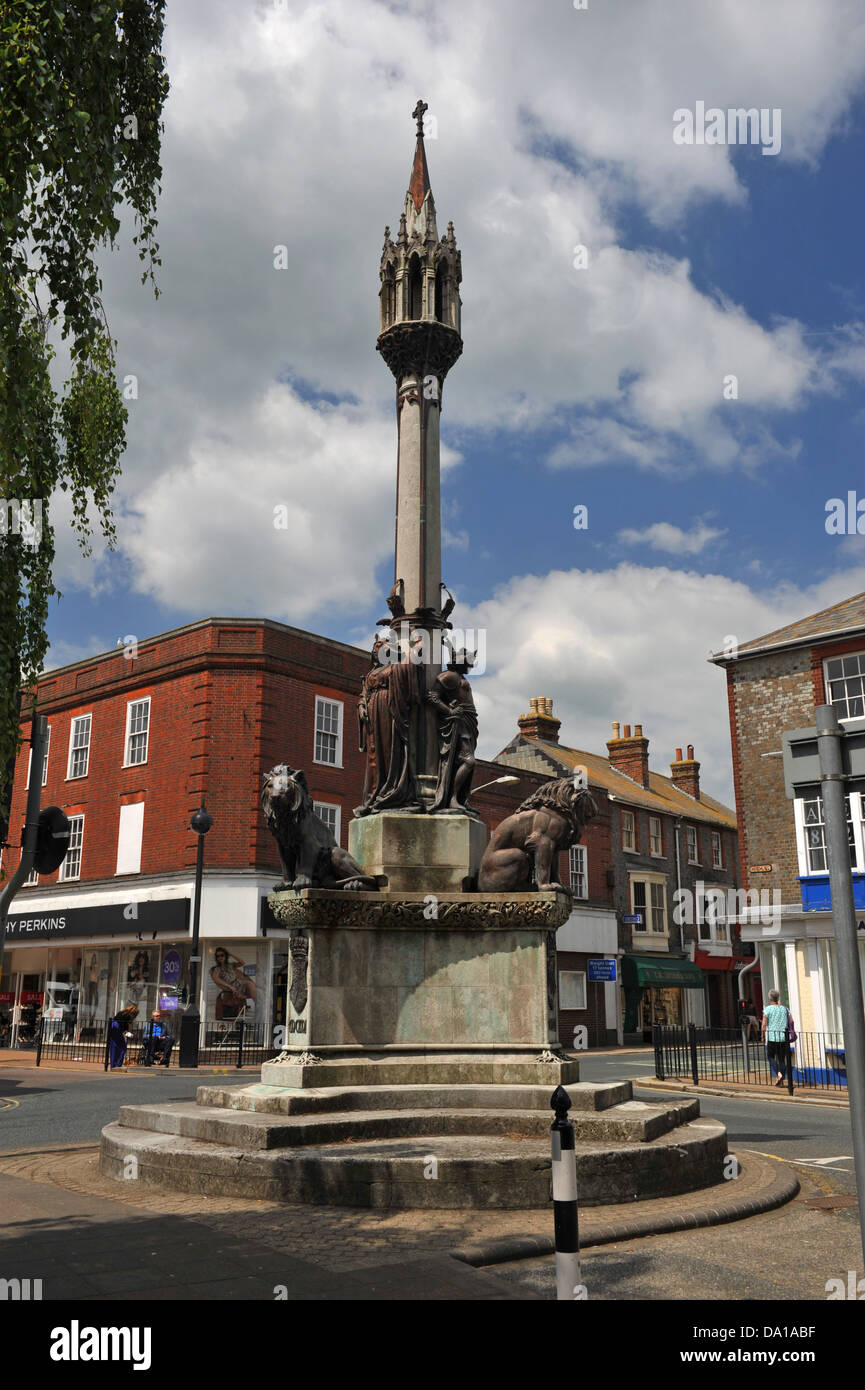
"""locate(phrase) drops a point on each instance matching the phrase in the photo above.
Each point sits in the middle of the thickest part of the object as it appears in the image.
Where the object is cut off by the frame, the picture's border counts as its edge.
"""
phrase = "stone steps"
(276, 1100)
(251, 1131)
(496, 1066)
(465, 1171)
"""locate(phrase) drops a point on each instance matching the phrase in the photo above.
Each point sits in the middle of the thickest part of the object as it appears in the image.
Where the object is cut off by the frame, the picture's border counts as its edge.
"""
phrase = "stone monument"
(422, 1004)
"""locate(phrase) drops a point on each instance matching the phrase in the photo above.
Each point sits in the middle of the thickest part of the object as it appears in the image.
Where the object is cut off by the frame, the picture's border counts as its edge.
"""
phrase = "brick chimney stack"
(540, 722)
(685, 773)
(630, 754)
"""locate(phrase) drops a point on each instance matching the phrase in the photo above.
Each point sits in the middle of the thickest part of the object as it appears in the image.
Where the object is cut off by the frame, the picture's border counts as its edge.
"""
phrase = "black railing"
(815, 1060)
(234, 1044)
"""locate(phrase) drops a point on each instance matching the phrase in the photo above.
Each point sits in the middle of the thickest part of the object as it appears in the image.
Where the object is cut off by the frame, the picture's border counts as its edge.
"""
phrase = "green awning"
(642, 972)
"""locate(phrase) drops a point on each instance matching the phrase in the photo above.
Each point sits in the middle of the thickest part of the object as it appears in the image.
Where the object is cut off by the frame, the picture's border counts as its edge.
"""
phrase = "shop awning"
(644, 972)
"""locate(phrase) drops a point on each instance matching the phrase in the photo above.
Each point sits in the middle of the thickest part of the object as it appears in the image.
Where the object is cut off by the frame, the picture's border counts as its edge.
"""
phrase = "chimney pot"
(690, 750)
(627, 731)
(638, 731)
(616, 727)
(678, 755)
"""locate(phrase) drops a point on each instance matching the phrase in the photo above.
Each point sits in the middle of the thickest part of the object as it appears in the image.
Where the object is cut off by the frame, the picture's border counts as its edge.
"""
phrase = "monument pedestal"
(452, 987)
(412, 853)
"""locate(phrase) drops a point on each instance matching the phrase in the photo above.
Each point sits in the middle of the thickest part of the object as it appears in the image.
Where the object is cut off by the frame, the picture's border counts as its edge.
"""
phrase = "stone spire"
(420, 341)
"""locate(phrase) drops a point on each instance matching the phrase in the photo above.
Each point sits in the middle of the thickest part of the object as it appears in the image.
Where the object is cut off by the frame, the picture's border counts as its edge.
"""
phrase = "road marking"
(838, 1158)
(803, 1162)
(7, 1104)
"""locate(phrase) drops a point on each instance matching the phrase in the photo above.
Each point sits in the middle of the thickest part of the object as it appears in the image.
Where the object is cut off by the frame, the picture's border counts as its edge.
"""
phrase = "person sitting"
(159, 1042)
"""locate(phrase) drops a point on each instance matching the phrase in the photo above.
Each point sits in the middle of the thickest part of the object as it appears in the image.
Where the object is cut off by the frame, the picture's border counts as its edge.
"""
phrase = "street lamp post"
(494, 782)
(190, 1024)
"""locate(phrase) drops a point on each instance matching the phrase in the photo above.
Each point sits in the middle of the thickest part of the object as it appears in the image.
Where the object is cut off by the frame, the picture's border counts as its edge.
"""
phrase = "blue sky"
(289, 125)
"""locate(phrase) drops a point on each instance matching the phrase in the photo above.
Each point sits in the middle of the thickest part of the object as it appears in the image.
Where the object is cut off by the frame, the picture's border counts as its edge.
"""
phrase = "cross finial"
(418, 114)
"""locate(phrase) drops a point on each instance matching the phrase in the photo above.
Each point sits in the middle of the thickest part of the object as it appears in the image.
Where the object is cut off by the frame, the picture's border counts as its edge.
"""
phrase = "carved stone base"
(417, 973)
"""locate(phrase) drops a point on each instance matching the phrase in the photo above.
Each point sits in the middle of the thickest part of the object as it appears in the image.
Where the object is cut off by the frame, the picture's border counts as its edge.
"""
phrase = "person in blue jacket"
(118, 1029)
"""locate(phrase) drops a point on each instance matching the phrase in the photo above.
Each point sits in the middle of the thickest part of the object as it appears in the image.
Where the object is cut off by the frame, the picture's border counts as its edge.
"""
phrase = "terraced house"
(660, 838)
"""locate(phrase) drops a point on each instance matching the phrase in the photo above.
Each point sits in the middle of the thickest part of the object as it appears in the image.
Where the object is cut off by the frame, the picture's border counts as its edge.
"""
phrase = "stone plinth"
(415, 853)
(454, 973)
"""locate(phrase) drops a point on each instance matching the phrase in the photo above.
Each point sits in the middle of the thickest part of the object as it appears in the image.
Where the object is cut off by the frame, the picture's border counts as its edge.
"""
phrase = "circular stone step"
(432, 1171)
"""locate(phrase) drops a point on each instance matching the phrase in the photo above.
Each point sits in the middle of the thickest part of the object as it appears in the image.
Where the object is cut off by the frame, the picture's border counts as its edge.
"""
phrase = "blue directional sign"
(602, 970)
(634, 919)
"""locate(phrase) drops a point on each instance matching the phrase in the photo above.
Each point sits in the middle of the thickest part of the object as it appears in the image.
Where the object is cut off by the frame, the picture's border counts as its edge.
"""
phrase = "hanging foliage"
(82, 90)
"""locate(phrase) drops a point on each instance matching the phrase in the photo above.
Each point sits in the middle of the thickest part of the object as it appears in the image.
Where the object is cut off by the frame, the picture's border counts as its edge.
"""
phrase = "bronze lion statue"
(308, 853)
(523, 851)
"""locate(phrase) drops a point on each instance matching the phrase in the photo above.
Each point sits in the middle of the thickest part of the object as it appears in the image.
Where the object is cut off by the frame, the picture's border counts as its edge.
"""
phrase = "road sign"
(633, 919)
(602, 970)
(802, 758)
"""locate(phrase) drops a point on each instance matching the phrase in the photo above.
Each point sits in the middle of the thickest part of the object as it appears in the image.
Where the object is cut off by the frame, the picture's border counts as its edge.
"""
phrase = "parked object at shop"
(308, 853)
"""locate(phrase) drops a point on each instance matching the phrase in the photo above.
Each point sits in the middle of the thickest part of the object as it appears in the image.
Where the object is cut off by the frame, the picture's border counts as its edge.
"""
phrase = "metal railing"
(815, 1060)
(234, 1044)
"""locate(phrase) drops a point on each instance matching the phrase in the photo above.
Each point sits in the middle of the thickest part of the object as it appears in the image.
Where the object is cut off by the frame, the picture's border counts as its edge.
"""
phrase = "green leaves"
(70, 75)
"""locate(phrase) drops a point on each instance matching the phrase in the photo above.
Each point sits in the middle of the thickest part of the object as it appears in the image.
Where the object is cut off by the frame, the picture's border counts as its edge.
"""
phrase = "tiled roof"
(662, 794)
(848, 616)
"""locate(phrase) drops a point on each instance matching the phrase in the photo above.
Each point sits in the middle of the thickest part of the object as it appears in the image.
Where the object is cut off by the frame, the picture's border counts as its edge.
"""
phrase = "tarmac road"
(817, 1137)
(43, 1107)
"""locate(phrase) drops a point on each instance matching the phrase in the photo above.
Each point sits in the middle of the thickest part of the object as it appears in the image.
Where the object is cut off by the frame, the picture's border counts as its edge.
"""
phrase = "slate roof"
(661, 796)
(845, 617)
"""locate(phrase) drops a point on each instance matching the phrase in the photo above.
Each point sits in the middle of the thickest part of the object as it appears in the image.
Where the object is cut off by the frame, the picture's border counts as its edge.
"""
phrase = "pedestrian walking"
(777, 1028)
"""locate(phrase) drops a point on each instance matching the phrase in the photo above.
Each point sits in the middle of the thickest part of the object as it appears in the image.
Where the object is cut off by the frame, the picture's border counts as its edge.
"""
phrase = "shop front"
(656, 991)
(73, 968)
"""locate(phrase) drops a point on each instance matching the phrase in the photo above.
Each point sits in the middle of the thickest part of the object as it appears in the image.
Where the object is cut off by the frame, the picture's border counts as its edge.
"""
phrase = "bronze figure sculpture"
(389, 694)
(452, 699)
(308, 853)
(522, 853)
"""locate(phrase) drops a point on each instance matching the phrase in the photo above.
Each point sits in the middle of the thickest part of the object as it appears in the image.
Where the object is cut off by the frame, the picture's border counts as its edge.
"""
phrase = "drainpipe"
(742, 973)
(679, 886)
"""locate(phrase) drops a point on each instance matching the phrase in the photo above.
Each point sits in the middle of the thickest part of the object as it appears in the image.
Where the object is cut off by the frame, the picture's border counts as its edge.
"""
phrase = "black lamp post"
(190, 1024)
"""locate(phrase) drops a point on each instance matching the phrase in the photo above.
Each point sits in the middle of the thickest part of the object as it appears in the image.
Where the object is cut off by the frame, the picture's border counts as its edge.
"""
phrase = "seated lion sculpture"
(308, 853)
(523, 851)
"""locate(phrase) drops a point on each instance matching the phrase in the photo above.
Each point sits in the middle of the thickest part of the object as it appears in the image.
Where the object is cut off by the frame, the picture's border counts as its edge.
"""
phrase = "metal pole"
(695, 1066)
(659, 1053)
(568, 1285)
(844, 921)
(38, 731)
(190, 1024)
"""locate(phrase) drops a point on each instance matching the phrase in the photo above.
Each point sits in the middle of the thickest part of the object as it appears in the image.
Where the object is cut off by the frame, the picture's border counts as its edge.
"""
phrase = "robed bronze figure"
(452, 699)
(389, 694)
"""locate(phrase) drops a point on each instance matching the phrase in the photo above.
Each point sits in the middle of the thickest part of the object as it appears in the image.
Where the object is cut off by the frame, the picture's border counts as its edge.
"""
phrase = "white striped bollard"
(568, 1285)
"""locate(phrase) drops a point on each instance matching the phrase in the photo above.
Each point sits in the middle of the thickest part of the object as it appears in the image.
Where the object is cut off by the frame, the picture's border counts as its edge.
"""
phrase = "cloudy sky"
(693, 377)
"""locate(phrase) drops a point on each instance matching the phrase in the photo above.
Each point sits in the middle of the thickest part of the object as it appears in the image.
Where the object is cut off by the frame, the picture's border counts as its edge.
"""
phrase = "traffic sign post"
(829, 755)
(603, 970)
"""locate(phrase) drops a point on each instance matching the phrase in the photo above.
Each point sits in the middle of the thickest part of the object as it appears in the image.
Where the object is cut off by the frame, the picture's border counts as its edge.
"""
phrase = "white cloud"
(594, 642)
(290, 125)
(663, 535)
